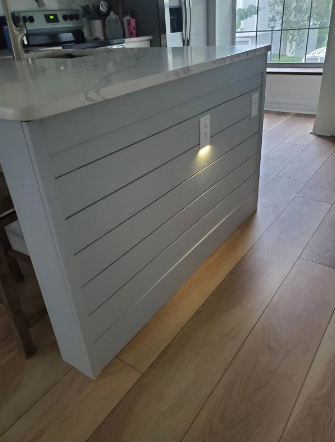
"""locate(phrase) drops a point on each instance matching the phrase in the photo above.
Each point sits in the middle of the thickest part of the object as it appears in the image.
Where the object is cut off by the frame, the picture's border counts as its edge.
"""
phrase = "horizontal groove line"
(174, 241)
(150, 136)
(229, 214)
(164, 194)
(153, 170)
(177, 213)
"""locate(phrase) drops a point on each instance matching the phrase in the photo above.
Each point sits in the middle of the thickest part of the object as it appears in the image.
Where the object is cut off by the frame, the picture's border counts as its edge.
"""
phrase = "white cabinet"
(119, 206)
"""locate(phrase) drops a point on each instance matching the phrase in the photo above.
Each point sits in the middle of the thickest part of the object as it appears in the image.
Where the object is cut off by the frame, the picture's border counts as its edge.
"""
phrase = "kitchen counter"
(118, 200)
(39, 88)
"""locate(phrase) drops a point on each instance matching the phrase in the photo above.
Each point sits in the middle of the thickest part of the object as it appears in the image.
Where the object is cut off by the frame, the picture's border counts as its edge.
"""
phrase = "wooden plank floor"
(244, 351)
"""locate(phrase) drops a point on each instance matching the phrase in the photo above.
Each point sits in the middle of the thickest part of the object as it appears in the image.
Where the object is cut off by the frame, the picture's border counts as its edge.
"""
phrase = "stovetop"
(56, 29)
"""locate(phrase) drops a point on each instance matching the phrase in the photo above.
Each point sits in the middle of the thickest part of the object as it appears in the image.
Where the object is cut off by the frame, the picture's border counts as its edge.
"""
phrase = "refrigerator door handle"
(189, 22)
(184, 34)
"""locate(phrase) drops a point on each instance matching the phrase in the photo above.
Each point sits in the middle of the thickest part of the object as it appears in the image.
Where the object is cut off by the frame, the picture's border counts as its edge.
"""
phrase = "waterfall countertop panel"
(38, 88)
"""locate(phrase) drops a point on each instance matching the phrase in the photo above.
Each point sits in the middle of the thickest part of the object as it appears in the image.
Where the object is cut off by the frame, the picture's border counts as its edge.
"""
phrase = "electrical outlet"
(205, 131)
(254, 106)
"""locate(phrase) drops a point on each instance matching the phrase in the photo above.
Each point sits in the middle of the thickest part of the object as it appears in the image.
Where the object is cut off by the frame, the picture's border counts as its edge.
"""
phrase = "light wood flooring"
(244, 351)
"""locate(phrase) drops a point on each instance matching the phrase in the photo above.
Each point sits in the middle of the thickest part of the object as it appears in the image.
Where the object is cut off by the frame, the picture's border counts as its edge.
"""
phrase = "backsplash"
(28, 5)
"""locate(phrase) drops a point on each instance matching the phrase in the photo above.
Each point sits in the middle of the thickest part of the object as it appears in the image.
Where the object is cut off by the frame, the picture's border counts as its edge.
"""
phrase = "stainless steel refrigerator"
(183, 22)
(170, 22)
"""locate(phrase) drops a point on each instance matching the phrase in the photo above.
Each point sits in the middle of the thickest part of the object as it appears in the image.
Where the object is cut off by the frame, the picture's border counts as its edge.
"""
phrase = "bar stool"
(11, 275)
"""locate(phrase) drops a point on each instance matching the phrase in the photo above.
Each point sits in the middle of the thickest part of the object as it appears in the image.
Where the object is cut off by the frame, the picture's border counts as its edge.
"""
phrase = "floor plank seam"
(276, 127)
(318, 171)
(37, 336)
(330, 206)
(293, 144)
(286, 164)
(308, 179)
(311, 199)
(308, 371)
(239, 349)
(47, 391)
(120, 359)
(284, 121)
(315, 262)
(252, 245)
(285, 139)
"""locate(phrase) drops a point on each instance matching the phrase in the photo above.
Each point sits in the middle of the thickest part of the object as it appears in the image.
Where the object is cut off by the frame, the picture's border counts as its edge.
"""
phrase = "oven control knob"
(65, 17)
(71, 17)
(31, 19)
(25, 19)
(76, 16)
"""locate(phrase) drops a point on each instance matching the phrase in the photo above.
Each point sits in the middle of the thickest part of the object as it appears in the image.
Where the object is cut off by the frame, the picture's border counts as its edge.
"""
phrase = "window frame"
(283, 64)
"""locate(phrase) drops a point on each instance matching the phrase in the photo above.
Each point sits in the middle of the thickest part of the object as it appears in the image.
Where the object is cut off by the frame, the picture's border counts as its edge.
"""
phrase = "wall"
(147, 18)
(219, 22)
(211, 22)
(292, 93)
(224, 22)
(325, 119)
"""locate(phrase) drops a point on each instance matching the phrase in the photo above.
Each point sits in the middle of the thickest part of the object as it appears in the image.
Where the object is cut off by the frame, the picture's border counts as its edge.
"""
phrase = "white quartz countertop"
(37, 88)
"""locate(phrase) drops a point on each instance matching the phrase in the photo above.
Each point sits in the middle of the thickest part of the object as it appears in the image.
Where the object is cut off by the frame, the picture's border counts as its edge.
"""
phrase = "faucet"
(16, 34)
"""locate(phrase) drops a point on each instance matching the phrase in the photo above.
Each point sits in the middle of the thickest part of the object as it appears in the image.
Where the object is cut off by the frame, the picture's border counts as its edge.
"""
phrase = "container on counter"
(113, 27)
(87, 28)
(131, 28)
(97, 29)
(125, 25)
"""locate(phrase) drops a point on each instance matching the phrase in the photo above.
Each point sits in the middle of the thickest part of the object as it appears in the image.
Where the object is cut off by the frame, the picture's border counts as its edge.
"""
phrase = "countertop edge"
(71, 103)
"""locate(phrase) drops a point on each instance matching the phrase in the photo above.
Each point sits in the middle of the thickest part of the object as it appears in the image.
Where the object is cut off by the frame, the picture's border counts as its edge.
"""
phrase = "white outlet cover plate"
(205, 131)
(254, 107)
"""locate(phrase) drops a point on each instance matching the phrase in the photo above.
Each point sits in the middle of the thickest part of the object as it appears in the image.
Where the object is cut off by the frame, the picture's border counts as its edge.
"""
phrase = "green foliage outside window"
(297, 14)
(243, 14)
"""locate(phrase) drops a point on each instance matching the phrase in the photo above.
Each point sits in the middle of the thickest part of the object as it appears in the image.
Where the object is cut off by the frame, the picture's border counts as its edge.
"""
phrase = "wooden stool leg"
(13, 265)
(13, 307)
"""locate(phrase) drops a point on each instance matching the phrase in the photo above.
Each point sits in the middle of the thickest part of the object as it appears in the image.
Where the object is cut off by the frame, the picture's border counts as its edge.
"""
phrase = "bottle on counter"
(126, 19)
(113, 27)
(132, 28)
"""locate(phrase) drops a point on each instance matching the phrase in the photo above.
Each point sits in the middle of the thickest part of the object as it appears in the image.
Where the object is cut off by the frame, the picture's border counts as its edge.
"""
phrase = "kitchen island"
(117, 202)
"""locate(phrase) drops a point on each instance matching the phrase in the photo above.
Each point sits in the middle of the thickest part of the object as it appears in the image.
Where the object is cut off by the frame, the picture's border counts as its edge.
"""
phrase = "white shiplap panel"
(102, 253)
(107, 283)
(116, 336)
(78, 156)
(91, 183)
(100, 218)
(136, 288)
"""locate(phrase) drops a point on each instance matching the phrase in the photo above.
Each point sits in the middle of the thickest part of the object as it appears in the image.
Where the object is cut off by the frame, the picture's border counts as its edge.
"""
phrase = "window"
(296, 29)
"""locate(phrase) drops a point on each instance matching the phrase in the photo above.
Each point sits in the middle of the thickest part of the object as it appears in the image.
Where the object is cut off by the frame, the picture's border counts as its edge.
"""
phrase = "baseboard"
(293, 106)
